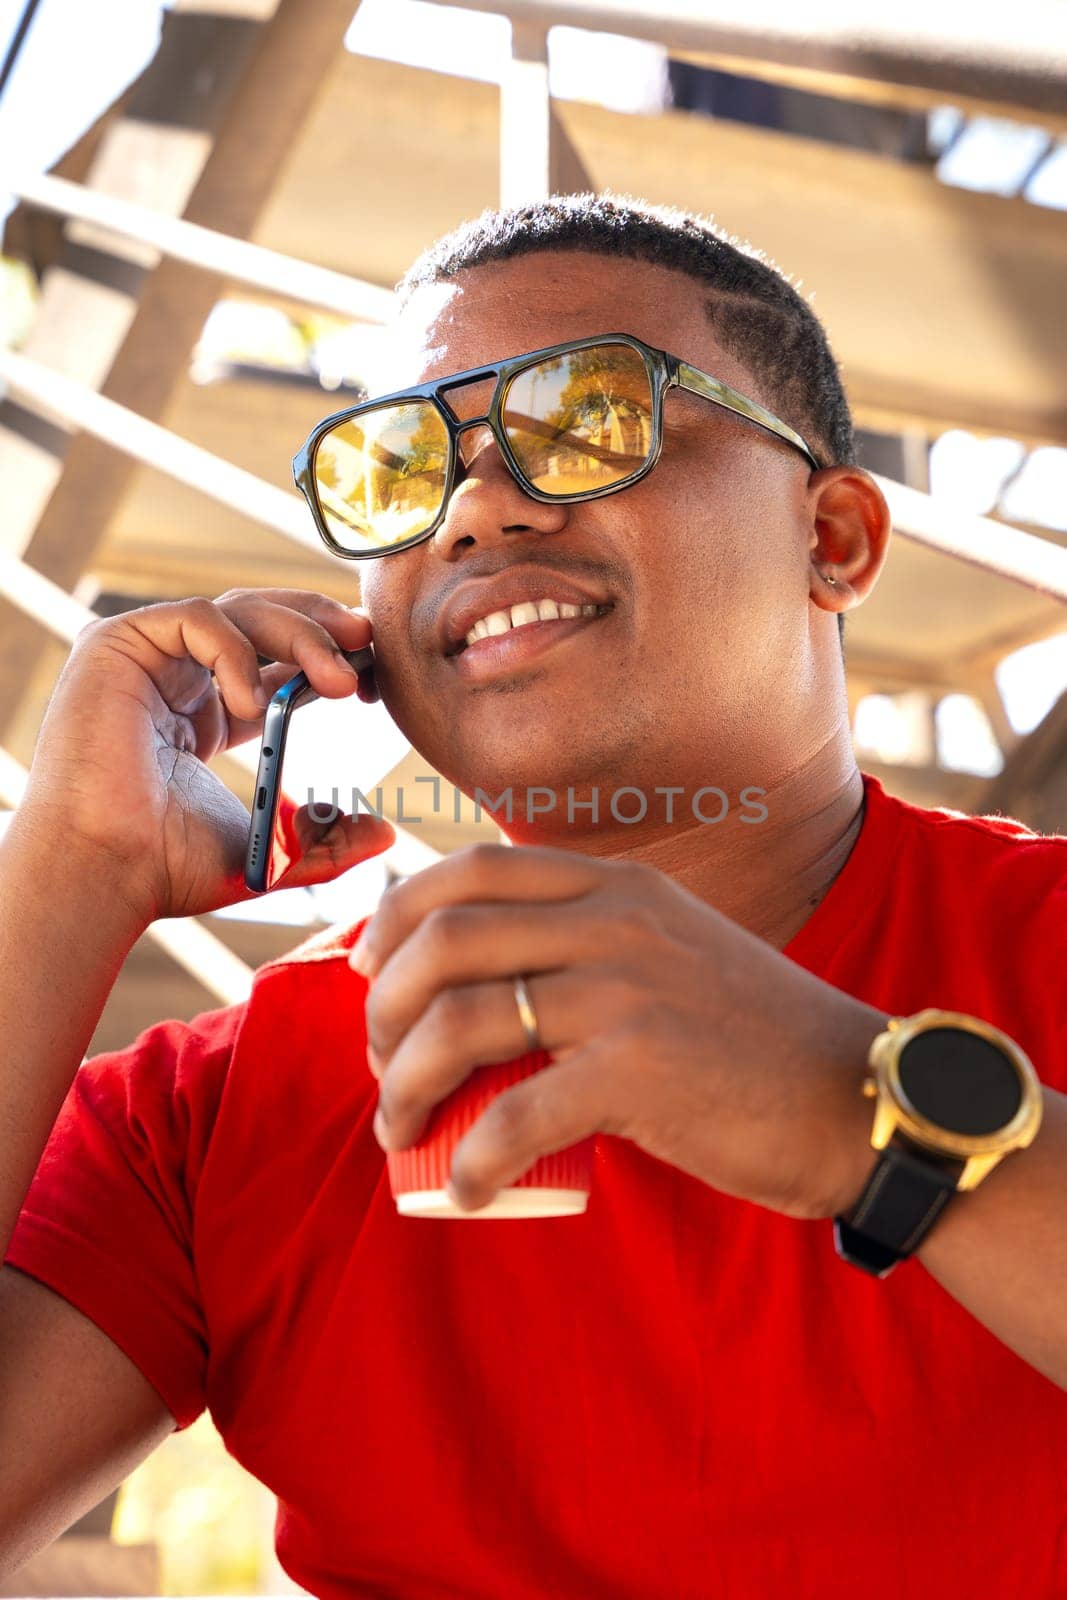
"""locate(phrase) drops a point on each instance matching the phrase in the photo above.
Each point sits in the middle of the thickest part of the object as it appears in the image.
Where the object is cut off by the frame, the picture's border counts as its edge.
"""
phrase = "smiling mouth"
(524, 614)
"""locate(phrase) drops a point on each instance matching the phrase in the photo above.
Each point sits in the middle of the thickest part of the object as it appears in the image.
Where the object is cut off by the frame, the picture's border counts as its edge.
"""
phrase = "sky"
(81, 53)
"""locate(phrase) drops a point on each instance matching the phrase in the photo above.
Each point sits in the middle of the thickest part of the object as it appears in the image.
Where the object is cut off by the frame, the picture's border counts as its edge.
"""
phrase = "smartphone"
(297, 692)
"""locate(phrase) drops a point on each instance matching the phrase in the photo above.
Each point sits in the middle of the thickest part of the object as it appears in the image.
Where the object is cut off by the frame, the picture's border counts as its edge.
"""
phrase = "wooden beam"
(887, 403)
(869, 674)
(151, 985)
(537, 157)
(253, 133)
(874, 673)
(152, 145)
(887, 94)
(987, 692)
(1011, 60)
(944, 306)
(233, 259)
(133, 437)
(1033, 784)
(1005, 641)
(1038, 563)
(929, 785)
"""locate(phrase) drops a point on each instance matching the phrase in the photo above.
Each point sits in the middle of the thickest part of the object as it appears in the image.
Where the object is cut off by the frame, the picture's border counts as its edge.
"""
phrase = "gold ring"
(527, 1014)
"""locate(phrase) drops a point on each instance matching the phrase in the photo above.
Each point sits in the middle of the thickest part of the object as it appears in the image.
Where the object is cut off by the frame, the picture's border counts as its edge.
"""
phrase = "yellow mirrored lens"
(380, 476)
(581, 421)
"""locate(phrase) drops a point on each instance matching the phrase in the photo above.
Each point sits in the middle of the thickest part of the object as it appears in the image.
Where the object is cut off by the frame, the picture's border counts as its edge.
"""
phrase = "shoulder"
(328, 944)
(319, 964)
(152, 1104)
(970, 913)
(988, 888)
(308, 1001)
(174, 1057)
(992, 851)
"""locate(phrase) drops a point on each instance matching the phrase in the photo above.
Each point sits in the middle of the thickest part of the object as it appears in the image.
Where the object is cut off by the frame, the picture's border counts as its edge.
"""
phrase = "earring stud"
(829, 578)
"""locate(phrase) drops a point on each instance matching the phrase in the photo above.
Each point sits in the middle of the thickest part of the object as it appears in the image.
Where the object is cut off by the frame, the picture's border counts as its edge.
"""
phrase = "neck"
(768, 875)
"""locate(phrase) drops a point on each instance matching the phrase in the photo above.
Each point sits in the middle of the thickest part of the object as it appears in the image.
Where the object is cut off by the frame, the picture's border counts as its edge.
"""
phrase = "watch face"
(960, 1081)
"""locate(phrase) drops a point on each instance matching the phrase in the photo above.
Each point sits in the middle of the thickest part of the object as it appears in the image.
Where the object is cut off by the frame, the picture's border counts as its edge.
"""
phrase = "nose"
(488, 504)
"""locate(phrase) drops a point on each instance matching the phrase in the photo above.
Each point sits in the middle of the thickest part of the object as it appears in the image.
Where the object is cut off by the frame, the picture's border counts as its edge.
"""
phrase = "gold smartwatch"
(954, 1097)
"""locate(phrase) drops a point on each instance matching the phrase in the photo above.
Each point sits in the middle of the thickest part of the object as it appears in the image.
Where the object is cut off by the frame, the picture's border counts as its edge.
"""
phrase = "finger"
(240, 729)
(456, 945)
(367, 687)
(474, 1025)
(348, 626)
(328, 849)
(549, 1111)
(484, 872)
(288, 635)
(196, 631)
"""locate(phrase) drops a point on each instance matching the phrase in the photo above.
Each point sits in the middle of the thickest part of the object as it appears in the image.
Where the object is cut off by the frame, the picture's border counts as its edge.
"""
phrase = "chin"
(493, 772)
(494, 766)
(504, 742)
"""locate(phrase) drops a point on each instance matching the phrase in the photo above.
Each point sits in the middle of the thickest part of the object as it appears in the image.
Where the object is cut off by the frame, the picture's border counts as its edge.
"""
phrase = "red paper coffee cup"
(556, 1185)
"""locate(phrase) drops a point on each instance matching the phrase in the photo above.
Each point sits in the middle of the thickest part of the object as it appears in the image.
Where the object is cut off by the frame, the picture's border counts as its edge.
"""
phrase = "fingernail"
(380, 1131)
(260, 695)
(349, 668)
(358, 960)
(368, 687)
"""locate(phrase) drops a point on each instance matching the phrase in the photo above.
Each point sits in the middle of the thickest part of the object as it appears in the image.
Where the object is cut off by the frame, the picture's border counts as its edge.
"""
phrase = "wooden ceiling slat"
(944, 306)
(1013, 58)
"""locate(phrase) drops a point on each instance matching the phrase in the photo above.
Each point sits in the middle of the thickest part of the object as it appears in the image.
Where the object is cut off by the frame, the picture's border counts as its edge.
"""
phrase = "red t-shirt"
(678, 1394)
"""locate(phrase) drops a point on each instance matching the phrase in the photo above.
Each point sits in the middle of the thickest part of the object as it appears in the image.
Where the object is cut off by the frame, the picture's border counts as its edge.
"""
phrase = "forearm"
(1001, 1250)
(64, 934)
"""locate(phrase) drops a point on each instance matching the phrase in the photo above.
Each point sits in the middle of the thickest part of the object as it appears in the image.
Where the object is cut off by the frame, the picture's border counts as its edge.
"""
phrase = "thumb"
(320, 851)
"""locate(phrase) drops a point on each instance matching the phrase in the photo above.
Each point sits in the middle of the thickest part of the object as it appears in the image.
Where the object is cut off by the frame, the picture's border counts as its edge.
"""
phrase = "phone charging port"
(261, 799)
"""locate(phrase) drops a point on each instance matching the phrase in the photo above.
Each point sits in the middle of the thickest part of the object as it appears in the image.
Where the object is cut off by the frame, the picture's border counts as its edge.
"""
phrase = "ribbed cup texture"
(425, 1167)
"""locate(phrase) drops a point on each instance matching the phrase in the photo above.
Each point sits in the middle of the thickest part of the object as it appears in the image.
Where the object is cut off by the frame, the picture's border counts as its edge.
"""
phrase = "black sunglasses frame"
(664, 372)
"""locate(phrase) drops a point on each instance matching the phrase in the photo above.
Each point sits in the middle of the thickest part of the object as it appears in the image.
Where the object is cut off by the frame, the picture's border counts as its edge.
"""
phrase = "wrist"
(952, 1096)
(847, 1156)
(70, 879)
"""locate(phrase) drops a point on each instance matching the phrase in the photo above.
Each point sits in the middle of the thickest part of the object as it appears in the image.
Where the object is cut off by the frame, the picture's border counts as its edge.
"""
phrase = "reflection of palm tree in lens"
(326, 470)
(602, 421)
(608, 399)
(536, 373)
(409, 476)
(338, 474)
(379, 476)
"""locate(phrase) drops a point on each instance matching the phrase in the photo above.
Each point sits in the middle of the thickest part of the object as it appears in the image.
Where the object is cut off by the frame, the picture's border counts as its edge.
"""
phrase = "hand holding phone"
(121, 780)
(260, 871)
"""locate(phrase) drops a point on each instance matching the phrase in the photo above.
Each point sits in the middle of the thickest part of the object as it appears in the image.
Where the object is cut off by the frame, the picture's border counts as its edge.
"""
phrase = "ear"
(850, 528)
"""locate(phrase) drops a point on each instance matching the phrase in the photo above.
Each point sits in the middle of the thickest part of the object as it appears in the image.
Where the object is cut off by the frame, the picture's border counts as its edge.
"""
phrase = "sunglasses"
(573, 422)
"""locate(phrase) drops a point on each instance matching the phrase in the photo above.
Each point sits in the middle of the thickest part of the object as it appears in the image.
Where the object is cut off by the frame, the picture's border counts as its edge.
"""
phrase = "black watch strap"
(904, 1196)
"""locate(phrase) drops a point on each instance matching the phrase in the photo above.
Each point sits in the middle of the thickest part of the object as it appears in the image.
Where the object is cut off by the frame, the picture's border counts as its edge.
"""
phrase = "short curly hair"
(758, 317)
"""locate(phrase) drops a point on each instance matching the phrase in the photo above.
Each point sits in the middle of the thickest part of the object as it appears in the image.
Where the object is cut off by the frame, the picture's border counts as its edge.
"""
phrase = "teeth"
(528, 611)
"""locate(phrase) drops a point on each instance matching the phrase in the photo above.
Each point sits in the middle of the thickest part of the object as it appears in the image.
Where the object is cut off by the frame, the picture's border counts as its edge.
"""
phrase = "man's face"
(695, 672)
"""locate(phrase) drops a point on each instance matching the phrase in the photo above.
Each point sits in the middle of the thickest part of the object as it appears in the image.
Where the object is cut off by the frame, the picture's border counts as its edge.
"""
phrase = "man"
(700, 1386)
